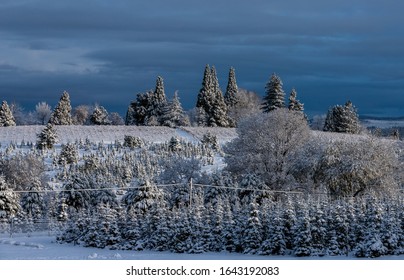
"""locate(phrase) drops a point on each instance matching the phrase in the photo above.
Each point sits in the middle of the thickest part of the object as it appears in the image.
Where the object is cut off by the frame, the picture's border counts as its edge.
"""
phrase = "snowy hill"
(110, 134)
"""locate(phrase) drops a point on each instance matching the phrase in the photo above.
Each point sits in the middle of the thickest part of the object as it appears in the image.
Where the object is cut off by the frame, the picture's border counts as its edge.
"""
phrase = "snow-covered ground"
(42, 246)
(110, 134)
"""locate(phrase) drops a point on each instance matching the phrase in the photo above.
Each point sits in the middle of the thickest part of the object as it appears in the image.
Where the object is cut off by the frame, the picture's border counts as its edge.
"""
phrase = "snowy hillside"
(110, 134)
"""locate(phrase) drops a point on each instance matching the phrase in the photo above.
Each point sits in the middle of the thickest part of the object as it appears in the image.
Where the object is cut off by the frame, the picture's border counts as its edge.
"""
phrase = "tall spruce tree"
(6, 116)
(275, 96)
(157, 103)
(62, 113)
(230, 97)
(212, 109)
(219, 109)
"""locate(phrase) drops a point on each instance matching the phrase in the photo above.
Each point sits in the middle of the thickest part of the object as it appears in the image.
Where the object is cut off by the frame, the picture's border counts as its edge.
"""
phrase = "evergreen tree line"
(213, 108)
(364, 227)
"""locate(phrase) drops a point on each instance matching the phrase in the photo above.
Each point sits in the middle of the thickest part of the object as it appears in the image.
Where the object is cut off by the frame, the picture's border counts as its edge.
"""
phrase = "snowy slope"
(110, 134)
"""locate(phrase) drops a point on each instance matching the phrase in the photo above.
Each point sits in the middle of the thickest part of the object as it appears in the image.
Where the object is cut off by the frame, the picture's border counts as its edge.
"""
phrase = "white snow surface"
(110, 134)
(42, 246)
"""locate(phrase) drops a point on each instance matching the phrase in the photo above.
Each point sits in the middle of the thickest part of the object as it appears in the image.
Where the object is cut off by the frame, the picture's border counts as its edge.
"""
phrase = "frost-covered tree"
(343, 119)
(42, 113)
(274, 95)
(81, 114)
(266, 145)
(294, 103)
(62, 113)
(6, 116)
(248, 103)
(47, 138)
(252, 233)
(210, 102)
(32, 202)
(115, 119)
(173, 114)
(157, 103)
(142, 196)
(231, 96)
(69, 154)
(302, 234)
(364, 165)
(76, 192)
(148, 108)
(8, 199)
(100, 116)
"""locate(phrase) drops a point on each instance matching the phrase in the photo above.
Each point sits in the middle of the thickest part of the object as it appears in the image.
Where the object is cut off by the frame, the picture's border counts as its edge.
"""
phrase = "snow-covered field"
(42, 246)
(110, 134)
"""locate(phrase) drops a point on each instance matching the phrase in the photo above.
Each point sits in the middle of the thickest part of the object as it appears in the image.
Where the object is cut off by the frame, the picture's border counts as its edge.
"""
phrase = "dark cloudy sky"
(107, 51)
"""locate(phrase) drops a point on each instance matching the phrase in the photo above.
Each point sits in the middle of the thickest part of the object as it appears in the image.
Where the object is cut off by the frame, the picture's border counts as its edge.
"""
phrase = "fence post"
(190, 193)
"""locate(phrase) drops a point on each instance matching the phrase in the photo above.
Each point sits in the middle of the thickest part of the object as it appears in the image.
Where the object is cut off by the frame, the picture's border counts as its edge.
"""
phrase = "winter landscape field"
(77, 193)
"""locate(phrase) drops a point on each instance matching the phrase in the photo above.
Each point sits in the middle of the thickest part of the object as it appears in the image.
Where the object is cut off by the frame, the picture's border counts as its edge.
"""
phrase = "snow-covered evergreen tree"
(210, 102)
(343, 119)
(141, 196)
(294, 103)
(9, 205)
(275, 96)
(302, 234)
(252, 233)
(6, 116)
(275, 242)
(231, 96)
(47, 138)
(62, 113)
(69, 154)
(32, 202)
(157, 103)
(100, 116)
(173, 114)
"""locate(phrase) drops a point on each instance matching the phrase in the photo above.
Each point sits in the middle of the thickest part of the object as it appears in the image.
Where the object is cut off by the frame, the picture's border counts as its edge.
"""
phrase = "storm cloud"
(107, 51)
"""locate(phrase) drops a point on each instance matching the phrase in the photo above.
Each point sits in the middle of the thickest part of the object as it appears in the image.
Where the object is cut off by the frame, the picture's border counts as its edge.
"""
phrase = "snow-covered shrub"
(366, 165)
(133, 142)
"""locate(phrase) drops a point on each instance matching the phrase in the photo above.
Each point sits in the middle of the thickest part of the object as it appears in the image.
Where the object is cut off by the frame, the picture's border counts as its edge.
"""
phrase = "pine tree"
(252, 233)
(173, 114)
(99, 116)
(9, 205)
(295, 104)
(157, 103)
(231, 96)
(69, 154)
(210, 104)
(219, 109)
(343, 119)
(33, 202)
(141, 197)
(62, 113)
(6, 116)
(47, 138)
(275, 96)
(302, 234)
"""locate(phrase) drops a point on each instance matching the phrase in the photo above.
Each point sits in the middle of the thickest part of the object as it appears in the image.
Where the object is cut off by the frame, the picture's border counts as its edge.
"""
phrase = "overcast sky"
(107, 51)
